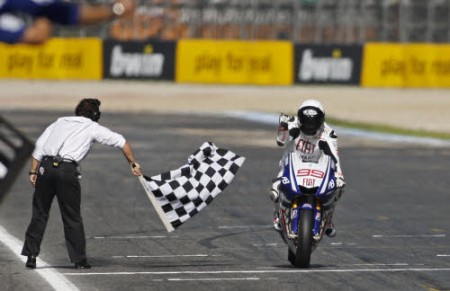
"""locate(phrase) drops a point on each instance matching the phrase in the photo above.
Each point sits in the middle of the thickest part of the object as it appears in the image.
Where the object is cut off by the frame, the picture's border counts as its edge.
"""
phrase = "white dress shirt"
(72, 137)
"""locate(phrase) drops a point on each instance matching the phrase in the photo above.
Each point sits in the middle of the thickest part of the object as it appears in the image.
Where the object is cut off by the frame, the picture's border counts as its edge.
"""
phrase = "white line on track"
(133, 237)
(266, 245)
(243, 226)
(166, 256)
(215, 279)
(338, 244)
(407, 235)
(54, 278)
(442, 255)
(381, 264)
(373, 270)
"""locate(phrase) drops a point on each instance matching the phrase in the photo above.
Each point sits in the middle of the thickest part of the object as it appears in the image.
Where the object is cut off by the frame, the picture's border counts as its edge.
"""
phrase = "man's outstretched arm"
(128, 153)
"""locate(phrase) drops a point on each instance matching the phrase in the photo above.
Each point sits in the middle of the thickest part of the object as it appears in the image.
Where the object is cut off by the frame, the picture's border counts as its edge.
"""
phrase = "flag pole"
(158, 208)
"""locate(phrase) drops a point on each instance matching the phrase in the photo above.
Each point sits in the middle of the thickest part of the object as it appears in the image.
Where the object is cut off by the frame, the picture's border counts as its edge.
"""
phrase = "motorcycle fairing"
(295, 171)
(295, 187)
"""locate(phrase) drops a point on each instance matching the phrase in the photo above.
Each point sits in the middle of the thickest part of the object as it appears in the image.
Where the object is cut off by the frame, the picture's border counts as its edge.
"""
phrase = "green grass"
(388, 129)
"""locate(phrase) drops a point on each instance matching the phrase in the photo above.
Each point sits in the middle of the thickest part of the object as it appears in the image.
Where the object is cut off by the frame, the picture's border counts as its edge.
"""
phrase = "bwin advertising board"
(327, 64)
(139, 60)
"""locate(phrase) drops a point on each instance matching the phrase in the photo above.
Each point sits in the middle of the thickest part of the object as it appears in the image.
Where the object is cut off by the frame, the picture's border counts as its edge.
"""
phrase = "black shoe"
(31, 262)
(82, 265)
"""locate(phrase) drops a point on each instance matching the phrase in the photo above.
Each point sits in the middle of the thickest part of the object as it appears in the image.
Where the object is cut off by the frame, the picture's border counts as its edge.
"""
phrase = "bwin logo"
(136, 64)
(324, 68)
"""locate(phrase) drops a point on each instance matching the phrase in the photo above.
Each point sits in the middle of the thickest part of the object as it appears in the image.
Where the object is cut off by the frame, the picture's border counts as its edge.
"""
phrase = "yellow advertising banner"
(406, 65)
(234, 62)
(59, 58)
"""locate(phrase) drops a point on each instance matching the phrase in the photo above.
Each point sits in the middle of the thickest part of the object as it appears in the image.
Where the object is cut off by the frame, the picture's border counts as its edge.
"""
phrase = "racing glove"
(282, 135)
(340, 182)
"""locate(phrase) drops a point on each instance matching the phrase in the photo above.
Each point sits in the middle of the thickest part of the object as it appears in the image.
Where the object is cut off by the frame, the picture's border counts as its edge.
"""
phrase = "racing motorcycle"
(308, 191)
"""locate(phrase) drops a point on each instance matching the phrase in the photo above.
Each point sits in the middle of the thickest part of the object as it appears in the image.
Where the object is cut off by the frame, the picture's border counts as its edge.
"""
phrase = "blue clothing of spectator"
(13, 28)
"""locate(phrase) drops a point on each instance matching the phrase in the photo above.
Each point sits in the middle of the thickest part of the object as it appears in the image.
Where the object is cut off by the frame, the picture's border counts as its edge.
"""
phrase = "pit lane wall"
(231, 62)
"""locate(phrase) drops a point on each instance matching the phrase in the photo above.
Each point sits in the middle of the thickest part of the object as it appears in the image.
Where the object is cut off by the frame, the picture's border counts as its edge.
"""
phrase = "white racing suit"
(310, 149)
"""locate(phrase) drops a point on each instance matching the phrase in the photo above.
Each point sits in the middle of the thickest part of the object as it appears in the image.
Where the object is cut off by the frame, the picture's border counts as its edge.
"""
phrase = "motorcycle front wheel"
(302, 257)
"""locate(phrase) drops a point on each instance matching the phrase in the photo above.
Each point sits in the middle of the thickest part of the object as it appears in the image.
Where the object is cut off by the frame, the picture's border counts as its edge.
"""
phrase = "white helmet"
(311, 116)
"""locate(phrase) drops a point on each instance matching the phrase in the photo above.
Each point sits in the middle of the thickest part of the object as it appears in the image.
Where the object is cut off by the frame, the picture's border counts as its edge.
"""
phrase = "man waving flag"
(179, 194)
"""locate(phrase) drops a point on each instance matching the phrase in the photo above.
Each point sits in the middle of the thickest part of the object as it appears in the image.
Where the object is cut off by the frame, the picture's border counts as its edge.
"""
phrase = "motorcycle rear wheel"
(302, 257)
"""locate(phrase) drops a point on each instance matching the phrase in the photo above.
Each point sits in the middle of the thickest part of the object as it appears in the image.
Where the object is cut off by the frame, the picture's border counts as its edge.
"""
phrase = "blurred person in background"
(55, 172)
(14, 29)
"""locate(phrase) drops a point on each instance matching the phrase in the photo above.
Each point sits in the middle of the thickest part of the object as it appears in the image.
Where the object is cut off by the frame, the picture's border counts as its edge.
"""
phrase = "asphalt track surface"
(393, 221)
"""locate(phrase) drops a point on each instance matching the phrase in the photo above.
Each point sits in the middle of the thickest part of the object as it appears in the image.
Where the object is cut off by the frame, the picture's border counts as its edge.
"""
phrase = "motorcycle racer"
(309, 135)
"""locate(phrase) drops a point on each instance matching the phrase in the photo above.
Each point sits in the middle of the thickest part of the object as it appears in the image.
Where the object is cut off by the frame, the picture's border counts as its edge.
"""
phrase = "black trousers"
(62, 182)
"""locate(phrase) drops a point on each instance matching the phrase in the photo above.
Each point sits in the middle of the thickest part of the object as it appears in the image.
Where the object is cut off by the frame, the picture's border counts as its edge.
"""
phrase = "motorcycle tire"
(305, 238)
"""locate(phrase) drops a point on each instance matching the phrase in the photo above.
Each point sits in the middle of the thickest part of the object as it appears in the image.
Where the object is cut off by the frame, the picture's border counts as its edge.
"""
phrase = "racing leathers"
(310, 148)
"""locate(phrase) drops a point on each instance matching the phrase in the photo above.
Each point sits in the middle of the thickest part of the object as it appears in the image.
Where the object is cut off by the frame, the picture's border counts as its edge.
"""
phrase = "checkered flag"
(180, 194)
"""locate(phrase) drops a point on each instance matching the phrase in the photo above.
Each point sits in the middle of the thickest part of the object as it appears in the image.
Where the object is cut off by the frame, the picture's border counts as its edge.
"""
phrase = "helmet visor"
(311, 120)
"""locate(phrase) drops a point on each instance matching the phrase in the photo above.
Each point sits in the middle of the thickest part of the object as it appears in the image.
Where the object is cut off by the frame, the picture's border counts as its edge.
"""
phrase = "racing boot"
(276, 221)
(331, 230)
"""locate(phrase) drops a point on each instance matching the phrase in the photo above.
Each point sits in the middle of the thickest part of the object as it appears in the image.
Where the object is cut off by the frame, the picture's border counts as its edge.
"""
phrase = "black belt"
(61, 160)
